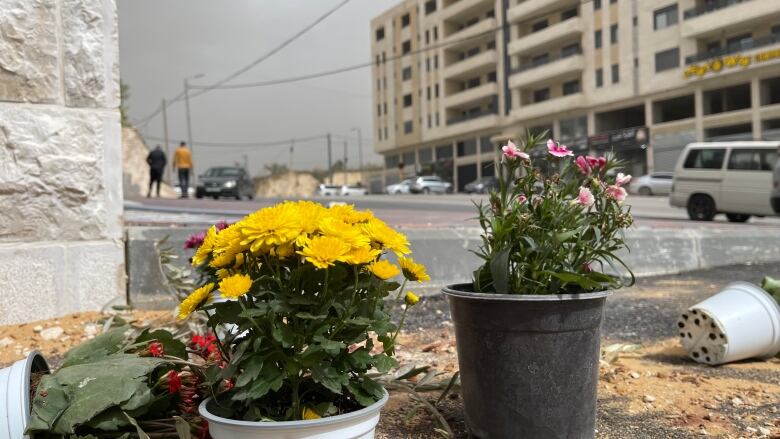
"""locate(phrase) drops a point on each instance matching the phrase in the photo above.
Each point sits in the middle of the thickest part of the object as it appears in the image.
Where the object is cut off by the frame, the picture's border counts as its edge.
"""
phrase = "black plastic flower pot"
(528, 364)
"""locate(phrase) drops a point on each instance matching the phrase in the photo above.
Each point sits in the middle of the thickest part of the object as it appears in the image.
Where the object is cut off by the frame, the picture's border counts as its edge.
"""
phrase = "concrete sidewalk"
(446, 252)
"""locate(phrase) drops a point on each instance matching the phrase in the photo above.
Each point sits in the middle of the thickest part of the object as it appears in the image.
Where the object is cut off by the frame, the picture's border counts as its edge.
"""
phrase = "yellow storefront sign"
(718, 65)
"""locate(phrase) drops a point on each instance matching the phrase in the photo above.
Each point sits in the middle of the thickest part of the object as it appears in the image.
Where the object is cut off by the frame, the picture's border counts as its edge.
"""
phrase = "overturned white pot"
(15, 395)
(354, 425)
(742, 321)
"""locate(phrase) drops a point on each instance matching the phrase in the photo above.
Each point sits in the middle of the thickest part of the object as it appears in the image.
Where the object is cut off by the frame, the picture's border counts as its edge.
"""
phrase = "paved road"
(400, 210)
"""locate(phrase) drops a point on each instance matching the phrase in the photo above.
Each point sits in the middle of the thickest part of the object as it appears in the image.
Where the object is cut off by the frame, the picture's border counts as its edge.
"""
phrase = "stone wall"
(61, 238)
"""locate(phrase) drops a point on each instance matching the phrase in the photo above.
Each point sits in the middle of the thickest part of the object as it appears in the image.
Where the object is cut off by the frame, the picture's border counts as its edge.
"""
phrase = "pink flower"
(522, 199)
(622, 179)
(585, 198)
(557, 149)
(195, 240)
(583, 165)
(511, 151)
(617, 193)
(597, 162)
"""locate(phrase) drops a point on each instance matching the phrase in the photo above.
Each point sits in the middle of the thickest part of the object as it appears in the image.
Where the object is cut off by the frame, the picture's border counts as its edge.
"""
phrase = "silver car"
(399, 188)
(428, 184)
(656, 183)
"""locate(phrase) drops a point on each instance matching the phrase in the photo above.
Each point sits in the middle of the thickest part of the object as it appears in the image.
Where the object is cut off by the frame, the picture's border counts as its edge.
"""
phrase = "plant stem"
(401, 323)
(297, 414)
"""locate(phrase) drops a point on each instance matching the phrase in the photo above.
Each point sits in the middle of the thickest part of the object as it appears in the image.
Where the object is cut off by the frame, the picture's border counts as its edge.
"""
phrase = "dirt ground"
(654, 392)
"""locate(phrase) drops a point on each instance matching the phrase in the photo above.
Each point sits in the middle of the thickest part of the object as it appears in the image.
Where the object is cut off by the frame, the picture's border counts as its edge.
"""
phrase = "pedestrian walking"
(182, 161)
(156, 160)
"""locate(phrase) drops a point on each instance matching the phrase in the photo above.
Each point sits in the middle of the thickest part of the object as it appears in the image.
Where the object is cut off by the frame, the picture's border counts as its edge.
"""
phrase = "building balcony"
(469, 125)
(716, 17)
(485, 29)
(530, 9)
(479, 63)
(549, 107)
(743, 46)
(463, 8)
(551, 70)
(472, 95)
(549, 36)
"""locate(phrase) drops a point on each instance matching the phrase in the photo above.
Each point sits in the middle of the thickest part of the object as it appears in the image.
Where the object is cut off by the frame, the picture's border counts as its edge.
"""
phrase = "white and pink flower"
(558, 150)
(616, 192)
(583, 165)
(511, 151)
(622, 179)
(585, 198)
(596, 163)
(521, 199)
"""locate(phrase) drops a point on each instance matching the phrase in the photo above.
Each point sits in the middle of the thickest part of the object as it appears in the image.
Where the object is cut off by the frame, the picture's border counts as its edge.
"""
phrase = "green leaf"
(182, 428)
(171, 346)
(499, 270)
(271, 378)
(310, 316)
(329, 377)
(252, 368)
(361, 395)
(383, 362)
(141, 434)
(560, 238)
(110, 420)
(372, 387)
(360, 358)
(332, 347)
(574, 278)
(98, 348)
(283, 334)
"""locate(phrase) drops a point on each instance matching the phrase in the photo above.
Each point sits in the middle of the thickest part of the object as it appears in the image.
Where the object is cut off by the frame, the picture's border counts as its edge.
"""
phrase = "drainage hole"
(680, 325)
(704, 316)
(693, 312)
(682, 334)
(695, 355)
(696, 322)
(685, 316)
(704, 350)
(712, 336)
(689, 335)
(708, 359)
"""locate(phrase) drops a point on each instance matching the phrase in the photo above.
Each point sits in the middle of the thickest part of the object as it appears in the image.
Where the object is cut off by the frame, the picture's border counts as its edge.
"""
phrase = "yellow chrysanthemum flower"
(324, 251)
(222, 273)
(194, 300)
(283, 251)
(309, 414)
(383, 269)
(337, 228)
(271, 227)
(411, 299)
(383, 236)
(311, 215)
(362, 255)
(227, 246)
(203, 252)
(235, 286)
(412, 270)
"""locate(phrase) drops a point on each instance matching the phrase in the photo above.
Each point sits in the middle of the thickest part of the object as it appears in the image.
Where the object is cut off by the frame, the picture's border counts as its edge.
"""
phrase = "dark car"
(481, 186)
(225, 182)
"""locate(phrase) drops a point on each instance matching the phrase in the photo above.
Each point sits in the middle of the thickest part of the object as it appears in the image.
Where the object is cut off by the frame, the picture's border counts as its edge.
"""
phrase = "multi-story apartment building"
(642, 78)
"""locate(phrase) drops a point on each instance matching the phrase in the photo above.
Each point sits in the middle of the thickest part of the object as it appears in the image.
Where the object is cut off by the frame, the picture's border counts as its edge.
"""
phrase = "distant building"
(640, 77)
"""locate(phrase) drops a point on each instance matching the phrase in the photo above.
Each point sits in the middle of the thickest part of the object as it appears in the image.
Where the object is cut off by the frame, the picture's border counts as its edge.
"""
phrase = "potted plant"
(15, 384)
(528, 326)
(301, 288)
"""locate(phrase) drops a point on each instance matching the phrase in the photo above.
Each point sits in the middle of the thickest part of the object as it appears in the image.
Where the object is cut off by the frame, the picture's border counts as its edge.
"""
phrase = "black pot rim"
(465, 291)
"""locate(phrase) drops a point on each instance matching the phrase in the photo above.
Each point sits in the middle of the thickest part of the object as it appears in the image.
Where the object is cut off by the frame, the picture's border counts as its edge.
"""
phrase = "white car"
(656, 183)
(399, 188)
(327, 190)
(348, 190)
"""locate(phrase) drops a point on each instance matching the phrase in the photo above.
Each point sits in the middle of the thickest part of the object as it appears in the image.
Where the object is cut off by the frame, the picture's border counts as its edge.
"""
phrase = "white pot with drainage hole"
(742, 321)
(15, 395)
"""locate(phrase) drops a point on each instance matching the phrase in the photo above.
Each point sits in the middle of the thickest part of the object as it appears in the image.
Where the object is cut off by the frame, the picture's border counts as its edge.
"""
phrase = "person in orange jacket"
(182, 160)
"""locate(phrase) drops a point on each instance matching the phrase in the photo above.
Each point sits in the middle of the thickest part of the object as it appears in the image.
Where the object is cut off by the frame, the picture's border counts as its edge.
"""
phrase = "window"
(427, 64)
(597, 39)
(541, 95)
(377, 59)
(711, 158)
(596, 4)
(408, 126)
(408, 100)
(539, 25)
(713, 46)
(406, 47)
(385, 133)
(428, 93)
(429, 121)
(380, 33)
(379, 133)
(752, 159)
(466, 147)
(406, 73)
(665, 17)
(615, 73)
(668, 59)
(491, 77)
(540, 59)
(599, 77)
(435, 33)
(571, 13)
(739, 41)
(427, 36)
(613, 34)
(436, 91)
(378, 84)
(435, 61)
(571, 87)
(430, 7)
(437, 120)
(384, 57)
(405, 20)
(378, 110)
(571, 49)
(384, 109)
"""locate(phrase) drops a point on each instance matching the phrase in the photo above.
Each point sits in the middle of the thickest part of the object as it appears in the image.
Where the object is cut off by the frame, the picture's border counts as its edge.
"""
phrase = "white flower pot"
(354, 425)
(15, 395)
(742, 321)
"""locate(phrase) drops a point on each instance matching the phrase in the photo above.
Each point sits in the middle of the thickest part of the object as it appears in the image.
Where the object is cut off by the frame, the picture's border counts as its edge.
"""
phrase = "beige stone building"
(641, 78)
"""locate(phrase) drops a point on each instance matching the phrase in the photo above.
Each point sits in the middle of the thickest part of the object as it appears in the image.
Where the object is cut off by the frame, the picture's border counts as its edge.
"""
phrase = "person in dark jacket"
(157, 161)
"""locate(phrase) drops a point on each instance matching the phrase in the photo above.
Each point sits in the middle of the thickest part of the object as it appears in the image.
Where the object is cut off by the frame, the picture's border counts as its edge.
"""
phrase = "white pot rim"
(260, 425)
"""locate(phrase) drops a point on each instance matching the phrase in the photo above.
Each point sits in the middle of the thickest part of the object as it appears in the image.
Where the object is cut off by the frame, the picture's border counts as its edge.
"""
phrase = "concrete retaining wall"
(446, 253)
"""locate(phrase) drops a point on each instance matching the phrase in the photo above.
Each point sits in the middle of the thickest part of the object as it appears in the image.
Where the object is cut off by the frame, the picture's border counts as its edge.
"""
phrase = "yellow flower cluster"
(319, 235)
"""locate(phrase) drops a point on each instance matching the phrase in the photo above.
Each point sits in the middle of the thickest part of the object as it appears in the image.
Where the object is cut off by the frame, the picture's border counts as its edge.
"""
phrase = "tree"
(276, 169)
(124, 95)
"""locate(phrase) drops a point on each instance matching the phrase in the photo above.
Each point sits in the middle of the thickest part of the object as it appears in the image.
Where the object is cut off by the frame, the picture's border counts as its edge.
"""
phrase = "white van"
(734, 178)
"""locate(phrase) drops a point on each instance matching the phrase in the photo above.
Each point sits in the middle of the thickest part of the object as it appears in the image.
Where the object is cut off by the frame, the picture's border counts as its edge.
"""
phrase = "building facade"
(642, 78)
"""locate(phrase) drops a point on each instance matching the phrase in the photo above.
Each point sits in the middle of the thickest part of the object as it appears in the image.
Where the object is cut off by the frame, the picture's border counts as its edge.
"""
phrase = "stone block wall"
(61, 238)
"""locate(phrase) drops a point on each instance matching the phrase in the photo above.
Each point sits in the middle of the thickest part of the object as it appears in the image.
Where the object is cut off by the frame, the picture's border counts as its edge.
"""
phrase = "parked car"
(428, 184)
(399, 188)
(353, 189)
(225, 181)
(734, 178)
(656, 183)
(326, 190)
(481, 186)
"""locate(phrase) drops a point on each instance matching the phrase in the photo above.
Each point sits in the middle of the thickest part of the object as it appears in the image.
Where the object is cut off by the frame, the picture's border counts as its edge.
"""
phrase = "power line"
(285, 142)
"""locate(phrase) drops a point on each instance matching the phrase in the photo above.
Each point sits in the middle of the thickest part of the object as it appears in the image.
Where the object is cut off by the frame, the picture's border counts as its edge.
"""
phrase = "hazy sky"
(162, 42)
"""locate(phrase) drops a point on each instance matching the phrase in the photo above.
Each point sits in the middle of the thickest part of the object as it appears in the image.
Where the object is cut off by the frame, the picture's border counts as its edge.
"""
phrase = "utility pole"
(330, 163)
(344, 168)
(246, 164)
(189, 124)
(360, 147)
(292, 150)
(165, 139)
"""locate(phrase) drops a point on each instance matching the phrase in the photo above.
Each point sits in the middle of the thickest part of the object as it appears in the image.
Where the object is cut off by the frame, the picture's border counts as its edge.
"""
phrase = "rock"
(708, 417)
(736, 402)
(91, 329)
(649, 399)
(764, 431)
(38, 329)
(52, 333)
(634, 375)
(710, 406)
(5, 342)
